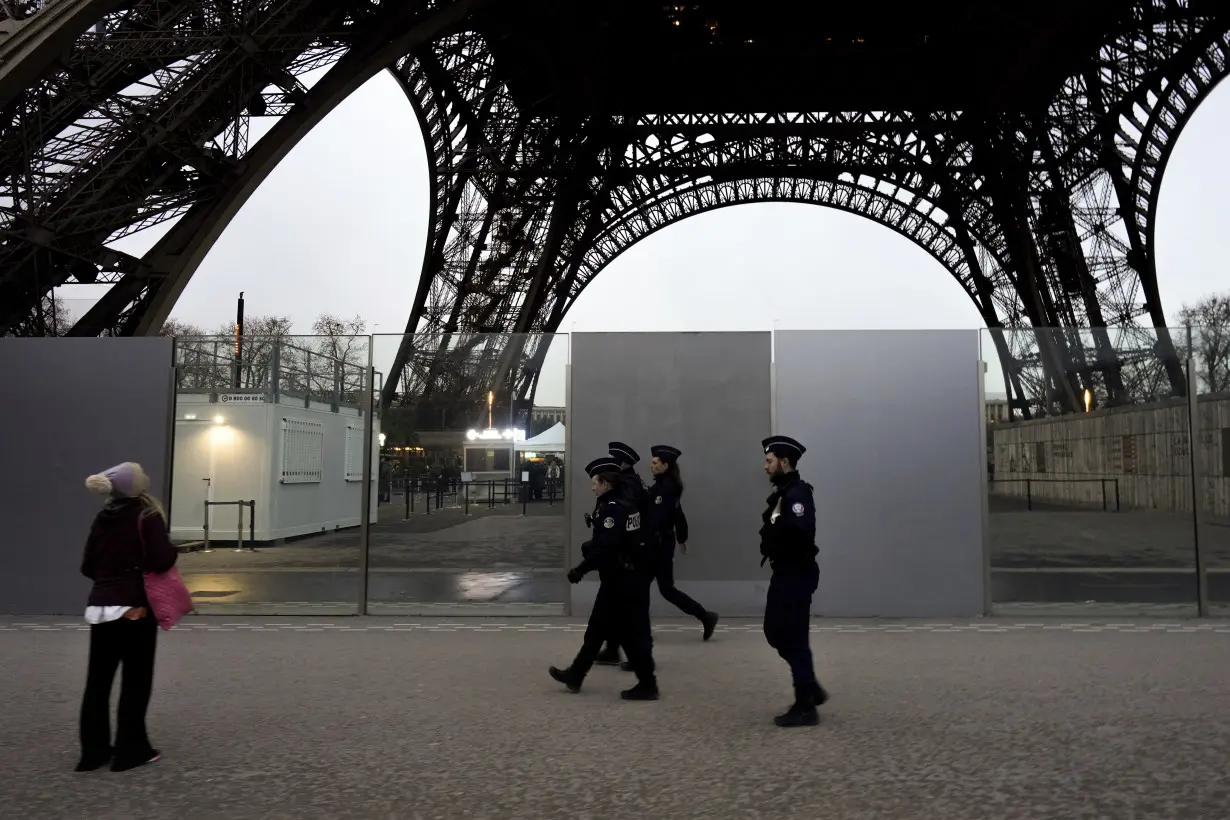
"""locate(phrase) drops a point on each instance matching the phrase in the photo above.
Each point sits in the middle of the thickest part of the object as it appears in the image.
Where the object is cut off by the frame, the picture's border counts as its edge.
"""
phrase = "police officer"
(621, 608)
(788, 542)
(663, 523)
(636, 495)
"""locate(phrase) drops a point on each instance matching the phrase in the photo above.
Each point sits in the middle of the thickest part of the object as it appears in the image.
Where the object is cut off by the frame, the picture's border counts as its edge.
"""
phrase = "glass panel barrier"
(471, 490)
(1210, 353)
(1088, 472)
(267, 472)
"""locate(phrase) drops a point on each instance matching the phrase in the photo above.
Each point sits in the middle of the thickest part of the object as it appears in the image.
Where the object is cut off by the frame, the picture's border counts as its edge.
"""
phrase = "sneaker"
(710, 622)
(119, 766)
(92, 763)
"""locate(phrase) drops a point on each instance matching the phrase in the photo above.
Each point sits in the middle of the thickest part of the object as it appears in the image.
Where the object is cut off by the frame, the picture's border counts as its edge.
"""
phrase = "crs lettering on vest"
(634, 522)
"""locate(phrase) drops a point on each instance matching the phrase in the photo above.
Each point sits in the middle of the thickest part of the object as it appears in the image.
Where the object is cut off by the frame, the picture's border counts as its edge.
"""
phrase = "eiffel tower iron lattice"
(1040, 201)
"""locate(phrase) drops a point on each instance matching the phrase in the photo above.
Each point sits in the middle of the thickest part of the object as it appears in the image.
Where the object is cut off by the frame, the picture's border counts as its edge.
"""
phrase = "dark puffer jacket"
(115, 556)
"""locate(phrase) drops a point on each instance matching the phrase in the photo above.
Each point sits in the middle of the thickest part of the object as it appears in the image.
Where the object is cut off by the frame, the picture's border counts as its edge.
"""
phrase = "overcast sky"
(340, 226)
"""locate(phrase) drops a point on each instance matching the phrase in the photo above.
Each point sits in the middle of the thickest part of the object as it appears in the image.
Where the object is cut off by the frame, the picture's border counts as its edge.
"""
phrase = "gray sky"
(340, 226)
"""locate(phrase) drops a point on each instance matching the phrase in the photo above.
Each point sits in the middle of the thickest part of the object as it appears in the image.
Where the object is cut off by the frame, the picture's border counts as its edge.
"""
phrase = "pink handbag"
(168, 596)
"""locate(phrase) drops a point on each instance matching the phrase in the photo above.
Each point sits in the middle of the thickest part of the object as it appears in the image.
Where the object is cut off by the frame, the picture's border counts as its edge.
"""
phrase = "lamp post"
(238, 340)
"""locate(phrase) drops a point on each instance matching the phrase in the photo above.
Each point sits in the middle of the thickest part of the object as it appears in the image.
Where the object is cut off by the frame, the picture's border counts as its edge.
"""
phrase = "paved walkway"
(372, 718)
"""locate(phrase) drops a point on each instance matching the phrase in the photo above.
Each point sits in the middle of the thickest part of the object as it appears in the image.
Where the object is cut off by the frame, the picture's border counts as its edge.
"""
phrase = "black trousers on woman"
(112, 644)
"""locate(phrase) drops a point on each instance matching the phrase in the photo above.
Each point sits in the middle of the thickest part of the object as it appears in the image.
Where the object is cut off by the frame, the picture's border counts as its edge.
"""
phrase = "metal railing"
(459, 494)
(276, 367)
(239, 505)
(1029, 490)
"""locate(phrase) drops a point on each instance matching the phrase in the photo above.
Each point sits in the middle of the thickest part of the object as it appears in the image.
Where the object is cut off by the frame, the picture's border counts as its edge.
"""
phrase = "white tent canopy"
(548, 441)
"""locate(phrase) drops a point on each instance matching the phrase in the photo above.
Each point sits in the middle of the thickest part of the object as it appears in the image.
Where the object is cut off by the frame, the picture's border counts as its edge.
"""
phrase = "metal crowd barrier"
(239, 505)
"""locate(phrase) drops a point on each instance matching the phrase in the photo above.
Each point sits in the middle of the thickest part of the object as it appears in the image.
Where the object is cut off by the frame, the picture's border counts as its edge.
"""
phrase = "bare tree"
(181, 329)
(264, 337)
(1209, 320)
(342, 345)
(50, 317)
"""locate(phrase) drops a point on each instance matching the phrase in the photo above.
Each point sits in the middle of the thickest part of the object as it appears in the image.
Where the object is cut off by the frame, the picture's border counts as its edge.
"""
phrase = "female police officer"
(621, 608)
(788, 542)
(664, 520)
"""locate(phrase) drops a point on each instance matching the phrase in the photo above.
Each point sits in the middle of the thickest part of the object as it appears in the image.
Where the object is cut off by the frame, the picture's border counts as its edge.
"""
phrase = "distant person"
(788, 543)
(128, 538)
(621, 608)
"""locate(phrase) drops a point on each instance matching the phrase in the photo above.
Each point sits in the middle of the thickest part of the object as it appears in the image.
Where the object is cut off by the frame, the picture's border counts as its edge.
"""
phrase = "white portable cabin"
(290, 438)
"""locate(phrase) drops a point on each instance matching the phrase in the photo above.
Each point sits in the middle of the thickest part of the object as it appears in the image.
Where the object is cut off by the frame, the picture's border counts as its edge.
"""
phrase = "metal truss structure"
(1043, 213)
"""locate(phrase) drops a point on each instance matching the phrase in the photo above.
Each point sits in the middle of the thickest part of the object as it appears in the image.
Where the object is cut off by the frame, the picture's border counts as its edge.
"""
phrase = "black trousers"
(131, 643)
(664, 572)
(666, 585)
(621, 617)
(787, 621)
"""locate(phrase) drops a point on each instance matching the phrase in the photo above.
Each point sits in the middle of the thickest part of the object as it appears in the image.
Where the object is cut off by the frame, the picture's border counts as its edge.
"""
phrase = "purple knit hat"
(126, 480)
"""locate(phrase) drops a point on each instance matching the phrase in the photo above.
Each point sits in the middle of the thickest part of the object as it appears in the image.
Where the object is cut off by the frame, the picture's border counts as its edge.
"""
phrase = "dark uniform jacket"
(789, 543)
(125, 542)
(664, 521)
(634, 490)
(616, 543)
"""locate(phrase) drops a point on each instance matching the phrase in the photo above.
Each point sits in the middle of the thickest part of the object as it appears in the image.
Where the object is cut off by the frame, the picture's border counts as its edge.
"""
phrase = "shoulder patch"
(609, 523)
(797, 509)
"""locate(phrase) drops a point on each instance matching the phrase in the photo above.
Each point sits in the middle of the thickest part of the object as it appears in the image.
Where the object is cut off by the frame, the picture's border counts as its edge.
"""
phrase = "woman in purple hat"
(128, 538)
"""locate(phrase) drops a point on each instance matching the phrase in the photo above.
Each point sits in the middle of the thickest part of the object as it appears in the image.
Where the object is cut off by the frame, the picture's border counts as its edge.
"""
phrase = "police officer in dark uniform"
(663, 523)
(621, 608)
(636, 494)
(788, 542)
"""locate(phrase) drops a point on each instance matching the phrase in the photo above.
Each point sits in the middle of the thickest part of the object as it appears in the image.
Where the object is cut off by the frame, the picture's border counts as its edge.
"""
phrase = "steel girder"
(146, 120)
(1052, 211)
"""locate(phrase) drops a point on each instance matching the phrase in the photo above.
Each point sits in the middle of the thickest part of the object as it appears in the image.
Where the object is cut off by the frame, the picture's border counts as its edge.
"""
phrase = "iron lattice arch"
(1040, 199)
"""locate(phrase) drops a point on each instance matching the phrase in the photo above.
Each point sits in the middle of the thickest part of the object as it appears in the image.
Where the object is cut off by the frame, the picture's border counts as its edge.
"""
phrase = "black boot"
(646, 689)
(609, 656)
(818, 694)
(802, 712)
(568, 678)
(709, 622)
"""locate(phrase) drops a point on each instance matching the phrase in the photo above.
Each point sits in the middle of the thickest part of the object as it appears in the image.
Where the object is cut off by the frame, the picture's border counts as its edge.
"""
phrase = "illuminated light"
(1088, 399)
(219, 419)
(676, 22)
(382, 438)
(491, 434)
(189, 416)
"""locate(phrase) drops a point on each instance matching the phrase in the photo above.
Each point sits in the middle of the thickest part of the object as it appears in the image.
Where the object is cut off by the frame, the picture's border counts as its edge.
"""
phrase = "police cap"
(784, 447)
(602, 465)
(664, 452)
(623, 452)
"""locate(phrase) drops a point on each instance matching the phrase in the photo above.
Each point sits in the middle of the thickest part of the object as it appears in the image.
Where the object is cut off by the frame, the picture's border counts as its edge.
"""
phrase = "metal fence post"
(205, 547)
(239, 527)
(1193, 434)
(365, 491)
